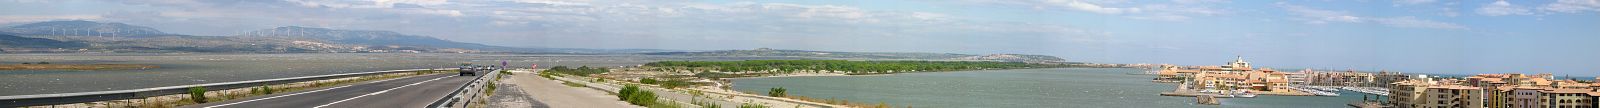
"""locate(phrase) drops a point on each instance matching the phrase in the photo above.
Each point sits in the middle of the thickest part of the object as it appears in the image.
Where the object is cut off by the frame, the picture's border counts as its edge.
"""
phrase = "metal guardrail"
(82, 97)
(470, 90)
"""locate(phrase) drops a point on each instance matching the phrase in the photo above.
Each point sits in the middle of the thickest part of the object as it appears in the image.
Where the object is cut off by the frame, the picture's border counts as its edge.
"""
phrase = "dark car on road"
(468, 71)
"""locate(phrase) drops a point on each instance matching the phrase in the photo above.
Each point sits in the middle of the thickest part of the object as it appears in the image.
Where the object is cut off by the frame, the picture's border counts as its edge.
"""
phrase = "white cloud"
(556, 2)
(1199, 1)
(1500, 8)
(1318, 16)
(1572, 6)
(1413, 2)
(1177, 12)
(1090, 7)
(1413, 22)
(366, 3)
(442, 12)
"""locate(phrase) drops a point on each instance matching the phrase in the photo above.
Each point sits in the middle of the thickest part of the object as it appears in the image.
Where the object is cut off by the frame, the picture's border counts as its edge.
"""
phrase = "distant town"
(1238, 79)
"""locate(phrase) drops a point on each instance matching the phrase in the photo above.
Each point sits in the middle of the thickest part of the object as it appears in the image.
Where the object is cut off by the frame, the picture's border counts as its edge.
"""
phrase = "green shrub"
(778, 92)
(647, 81)
(198, 94)
(636, 96)
(642, 98)
(626, 91)
(266, 89)
(491, 87)
(44, 63)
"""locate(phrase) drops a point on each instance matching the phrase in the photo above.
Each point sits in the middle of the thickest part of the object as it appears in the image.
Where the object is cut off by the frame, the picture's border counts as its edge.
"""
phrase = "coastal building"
(1234, 77)
(1385, 77)
(1452, 96)
(1570, 84)
(1408, 94)
(1566, 98)
(1298, 78)
(1524, 97)
(1512, 90)
(1496, 90)
(1239, 64)
(1346, 78)
(1594, 97)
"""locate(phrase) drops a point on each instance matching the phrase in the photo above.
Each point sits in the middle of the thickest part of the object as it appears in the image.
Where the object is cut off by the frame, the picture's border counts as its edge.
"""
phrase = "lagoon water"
(185, 69)
(1023, 88)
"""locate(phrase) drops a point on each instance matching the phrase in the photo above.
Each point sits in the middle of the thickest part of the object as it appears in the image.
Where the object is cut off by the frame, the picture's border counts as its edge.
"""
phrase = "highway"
(409, 92)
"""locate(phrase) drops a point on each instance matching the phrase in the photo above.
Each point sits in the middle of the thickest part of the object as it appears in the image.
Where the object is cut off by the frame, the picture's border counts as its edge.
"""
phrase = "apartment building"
(1451, 96)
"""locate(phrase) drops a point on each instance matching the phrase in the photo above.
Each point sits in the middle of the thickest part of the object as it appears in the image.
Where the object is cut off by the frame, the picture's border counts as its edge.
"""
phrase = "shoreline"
(76, 67)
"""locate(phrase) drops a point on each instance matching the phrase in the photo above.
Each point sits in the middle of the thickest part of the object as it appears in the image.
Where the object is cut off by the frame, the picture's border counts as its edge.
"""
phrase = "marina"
(1369, 90)
(1318, 92)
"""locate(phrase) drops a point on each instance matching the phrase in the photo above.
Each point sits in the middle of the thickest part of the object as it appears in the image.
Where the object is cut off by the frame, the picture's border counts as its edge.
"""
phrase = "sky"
(1414, 36)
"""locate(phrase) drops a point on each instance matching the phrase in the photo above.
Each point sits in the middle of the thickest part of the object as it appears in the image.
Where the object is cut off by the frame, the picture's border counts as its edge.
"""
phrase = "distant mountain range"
(83, 28)
(363, 37)
(765, 52)
(89, 36)
(119, 37)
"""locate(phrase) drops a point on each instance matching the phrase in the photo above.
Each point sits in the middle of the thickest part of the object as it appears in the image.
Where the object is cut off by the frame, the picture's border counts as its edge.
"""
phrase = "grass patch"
(197, 94)
(664, 104)
(753, 105)
(490, 89)
(704, 104)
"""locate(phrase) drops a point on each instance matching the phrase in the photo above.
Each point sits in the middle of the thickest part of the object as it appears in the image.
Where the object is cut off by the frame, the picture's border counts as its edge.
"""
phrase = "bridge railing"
(464, 95)
(96, 96)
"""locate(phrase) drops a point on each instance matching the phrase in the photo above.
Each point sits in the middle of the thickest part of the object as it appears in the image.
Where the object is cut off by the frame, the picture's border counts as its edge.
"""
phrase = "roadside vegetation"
(778, 92)
(752, 105)
(667, 83)
(636, 96)
(580, 71)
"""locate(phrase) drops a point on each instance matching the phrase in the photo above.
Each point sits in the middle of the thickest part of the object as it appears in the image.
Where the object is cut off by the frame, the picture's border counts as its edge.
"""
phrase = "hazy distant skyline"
(1416, 36)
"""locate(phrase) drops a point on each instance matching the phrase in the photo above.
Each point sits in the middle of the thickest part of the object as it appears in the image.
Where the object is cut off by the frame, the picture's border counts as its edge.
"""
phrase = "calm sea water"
(1025, 88)
(185, 69)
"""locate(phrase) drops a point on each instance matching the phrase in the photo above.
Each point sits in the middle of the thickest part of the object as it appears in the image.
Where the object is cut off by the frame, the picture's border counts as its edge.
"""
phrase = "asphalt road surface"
(410, 92)
(551, 93)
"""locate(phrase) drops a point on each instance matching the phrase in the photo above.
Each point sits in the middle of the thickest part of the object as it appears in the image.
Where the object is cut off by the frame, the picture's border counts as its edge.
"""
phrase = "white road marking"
(252, 100)
(379, 92)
